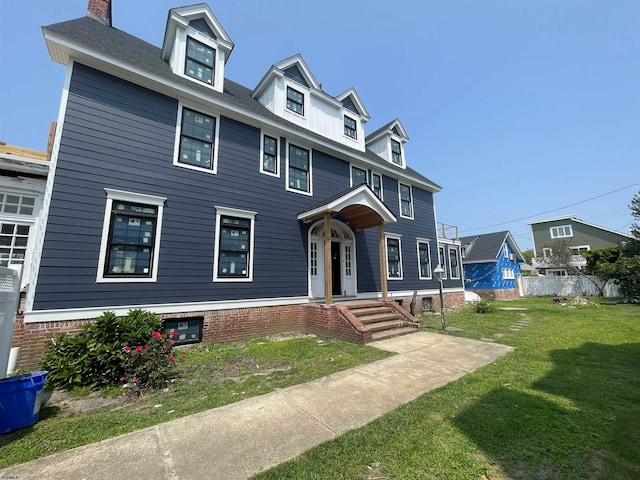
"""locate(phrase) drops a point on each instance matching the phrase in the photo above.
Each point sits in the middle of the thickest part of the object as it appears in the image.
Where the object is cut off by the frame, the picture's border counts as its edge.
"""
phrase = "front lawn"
(211, 376)
(564, 405)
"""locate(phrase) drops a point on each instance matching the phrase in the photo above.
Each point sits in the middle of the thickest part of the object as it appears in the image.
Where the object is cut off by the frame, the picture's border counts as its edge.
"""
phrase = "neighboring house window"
(197, 140)
(580, 249)
(547, 252)
(394, 258)
(561, 232)
(396, 152)
(441, 259)
(270, 161)
(13, 243)
(349, 127)
(358, 176)
(376, 184)
(424, 260)
(199, 61)
(406, 201)
(295, 101)
(233, 256)
(454, 266)
(130, 237)
(298, 169)
(508, 274)
(505, 251)
(556, 272)
(16, 204)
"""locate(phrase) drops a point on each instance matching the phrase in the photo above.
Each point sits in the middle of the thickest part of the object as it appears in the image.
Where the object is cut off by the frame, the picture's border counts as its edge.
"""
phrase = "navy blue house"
(492, 264)
(229, 211)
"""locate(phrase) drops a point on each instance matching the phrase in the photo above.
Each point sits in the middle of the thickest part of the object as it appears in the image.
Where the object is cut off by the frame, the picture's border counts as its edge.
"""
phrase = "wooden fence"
(569, 285)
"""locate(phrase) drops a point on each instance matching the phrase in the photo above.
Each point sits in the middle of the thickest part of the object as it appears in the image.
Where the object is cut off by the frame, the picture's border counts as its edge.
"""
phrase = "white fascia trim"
(299, 61)
(46, 202)
(68, 314)
(267, 133)
(266, 80)
(61, 54)
(351, 92)
(407, 293)
(325, 97)
(20, 164)
(233, 212)
(176, 143)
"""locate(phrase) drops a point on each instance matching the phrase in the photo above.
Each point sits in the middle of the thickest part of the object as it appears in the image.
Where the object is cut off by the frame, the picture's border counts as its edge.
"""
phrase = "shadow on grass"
(580, 421)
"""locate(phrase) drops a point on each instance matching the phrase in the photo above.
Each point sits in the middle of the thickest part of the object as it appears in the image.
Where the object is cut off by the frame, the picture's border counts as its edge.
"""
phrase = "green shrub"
(95, 356)
(484, 306)
(151, 365)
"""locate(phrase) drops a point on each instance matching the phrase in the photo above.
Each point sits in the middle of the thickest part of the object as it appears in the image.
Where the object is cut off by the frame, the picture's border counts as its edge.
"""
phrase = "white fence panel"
(569, 285)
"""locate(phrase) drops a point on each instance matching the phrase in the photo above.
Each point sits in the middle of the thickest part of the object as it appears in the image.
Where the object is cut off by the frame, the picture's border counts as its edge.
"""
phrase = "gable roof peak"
(394, 127)
(297, 61)
(355, 98)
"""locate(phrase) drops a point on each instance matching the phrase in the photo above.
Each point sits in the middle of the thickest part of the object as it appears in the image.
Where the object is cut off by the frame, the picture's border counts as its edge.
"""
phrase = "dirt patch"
(71, 405)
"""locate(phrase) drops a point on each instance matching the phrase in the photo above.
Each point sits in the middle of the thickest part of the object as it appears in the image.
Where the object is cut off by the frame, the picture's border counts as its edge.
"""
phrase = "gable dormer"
(196, 46)
(290, 91)
(388, 142)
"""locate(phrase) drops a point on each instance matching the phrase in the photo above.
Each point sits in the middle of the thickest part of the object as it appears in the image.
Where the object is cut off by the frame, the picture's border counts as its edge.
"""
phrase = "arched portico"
(361, 209)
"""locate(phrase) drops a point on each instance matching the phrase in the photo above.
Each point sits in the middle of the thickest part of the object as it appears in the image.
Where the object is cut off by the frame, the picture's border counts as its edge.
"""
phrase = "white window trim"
(428, 243)
(301, 89)
(366, 172)
(443, 265)
(455, 249)
(351, 117)
(551, 229)
(286, 185)
(577, 248)
(410, 198)
(371, 175)
(216, 138)
(505, 250)
(398, 237)
(508, 274)
(545, 254)
(179, 57)
(553, 271)
(402, 163)
(233, 212)
(104, 242)
(278, 153)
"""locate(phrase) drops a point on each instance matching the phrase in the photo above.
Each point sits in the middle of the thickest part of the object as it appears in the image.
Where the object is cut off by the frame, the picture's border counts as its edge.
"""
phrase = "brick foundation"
(223, 326)
(503, 294)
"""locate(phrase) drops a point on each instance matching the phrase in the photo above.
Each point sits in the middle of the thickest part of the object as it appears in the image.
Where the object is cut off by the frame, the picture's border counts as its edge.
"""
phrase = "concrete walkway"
(239, 440)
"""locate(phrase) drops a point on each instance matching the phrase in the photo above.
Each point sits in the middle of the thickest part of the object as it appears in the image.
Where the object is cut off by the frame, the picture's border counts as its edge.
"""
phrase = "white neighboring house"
(23, 177)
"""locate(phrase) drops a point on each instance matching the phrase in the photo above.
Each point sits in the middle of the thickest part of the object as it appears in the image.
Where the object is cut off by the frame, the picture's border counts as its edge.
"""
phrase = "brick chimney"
(100, 10)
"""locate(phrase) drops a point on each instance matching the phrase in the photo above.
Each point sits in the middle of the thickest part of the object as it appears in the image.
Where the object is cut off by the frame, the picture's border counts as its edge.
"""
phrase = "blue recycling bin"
(20, 400)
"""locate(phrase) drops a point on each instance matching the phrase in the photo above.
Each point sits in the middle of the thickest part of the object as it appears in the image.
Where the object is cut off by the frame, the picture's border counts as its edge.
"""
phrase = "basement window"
(185, 330)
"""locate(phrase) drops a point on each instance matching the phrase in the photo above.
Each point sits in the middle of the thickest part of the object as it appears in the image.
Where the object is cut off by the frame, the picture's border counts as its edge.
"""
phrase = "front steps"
(377, 320)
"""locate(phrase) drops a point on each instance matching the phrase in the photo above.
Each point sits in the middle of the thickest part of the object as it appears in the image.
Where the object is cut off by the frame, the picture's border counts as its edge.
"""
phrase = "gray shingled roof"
(482, 248)
(131, 50)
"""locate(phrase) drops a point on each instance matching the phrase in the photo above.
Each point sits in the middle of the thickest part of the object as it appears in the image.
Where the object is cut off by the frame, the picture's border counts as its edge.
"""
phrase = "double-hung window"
(376, 184)
(130, 238)
(197, 140)
(234, 245)
(406, 201)
(454, 266)
(441, 260)
(358, 176)
(396, 152)
(349, 127)
(299, 169)
(424, 260)
(199, 61)
(394, 258)
(295, 101)
(269, 155)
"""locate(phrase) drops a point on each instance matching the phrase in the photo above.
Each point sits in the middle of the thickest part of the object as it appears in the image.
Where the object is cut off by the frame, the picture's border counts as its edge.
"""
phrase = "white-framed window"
(295, 101)
(129, 249)
(350, 127)
(396, 152)
(376, 184)
(578, 249)
(199, 61)
(547, 252)
(196, 140)
(505, 251)
(442, 261)
(508, 274)
(269, 157)
(233, 251)
(14, 238)
(299, 169)
(406, 200)
(424, 259)
(16, 204)
(358, 176)
(454, 264)
(556, 272)
(562, 231)
(394, 256)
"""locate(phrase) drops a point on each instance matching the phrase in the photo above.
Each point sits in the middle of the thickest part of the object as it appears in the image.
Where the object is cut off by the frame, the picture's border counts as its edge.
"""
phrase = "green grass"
(565, 404)
(212, 376)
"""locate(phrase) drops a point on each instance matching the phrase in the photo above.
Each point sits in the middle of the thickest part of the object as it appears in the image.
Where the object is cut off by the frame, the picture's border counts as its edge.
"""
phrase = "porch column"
(328, 281)
(383, 262)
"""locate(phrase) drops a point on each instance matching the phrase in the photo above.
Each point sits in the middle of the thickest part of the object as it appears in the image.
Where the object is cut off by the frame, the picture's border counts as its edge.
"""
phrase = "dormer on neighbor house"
(290, 91)
(388, 142)
(196, 46)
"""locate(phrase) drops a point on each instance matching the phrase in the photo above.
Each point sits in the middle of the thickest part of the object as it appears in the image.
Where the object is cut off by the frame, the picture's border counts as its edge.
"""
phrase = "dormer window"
(396, 152)
(349, 127)
(295, 101)
(199, 62)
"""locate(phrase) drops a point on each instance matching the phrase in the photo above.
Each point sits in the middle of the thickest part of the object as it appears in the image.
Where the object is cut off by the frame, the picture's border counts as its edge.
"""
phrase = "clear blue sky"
(515, 107)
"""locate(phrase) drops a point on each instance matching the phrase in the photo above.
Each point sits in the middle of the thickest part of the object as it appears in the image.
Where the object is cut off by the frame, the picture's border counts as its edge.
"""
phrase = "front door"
(336, 269)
